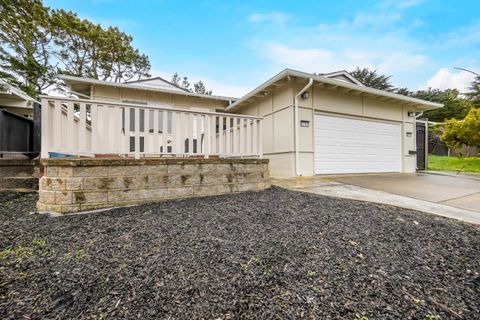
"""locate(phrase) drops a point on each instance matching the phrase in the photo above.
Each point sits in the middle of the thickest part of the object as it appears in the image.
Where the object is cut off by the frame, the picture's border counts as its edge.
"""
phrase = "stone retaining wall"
(18, 175)
(72, 185)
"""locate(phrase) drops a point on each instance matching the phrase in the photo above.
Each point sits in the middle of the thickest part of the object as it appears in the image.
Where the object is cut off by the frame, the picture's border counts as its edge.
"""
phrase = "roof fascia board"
(342, 73)
(337, 83)
(157, 78)
(66, 79)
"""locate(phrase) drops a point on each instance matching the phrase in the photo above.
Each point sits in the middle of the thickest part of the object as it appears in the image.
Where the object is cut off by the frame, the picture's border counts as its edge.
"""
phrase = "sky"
(234, 46)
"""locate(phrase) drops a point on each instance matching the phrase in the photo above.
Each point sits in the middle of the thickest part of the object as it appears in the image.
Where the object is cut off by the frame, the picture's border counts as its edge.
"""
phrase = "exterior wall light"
(305, 95)
(412, 114)
(409, 134)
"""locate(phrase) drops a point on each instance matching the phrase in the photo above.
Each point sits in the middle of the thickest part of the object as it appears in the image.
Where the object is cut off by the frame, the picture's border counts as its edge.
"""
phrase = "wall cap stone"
(16, 162)
(85, 162)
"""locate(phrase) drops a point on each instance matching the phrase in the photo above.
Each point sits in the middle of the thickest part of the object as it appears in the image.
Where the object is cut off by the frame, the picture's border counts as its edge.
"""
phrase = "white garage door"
(346, 145)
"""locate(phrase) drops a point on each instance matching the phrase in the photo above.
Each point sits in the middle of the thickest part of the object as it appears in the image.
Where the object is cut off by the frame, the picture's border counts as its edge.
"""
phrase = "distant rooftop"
(157, 82)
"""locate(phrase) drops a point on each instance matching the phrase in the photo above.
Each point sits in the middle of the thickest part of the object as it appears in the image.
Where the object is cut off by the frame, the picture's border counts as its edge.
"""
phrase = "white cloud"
(460, 37)
(446, 79)
(274, 17)
(382, 38)
(400, 4)
(221, 88)
(387, 59)
(376, 20)
(395, 62)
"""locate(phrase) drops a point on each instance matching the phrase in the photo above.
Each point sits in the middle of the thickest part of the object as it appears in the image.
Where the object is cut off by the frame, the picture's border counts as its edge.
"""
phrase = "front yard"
(272, 254)
(439, 163)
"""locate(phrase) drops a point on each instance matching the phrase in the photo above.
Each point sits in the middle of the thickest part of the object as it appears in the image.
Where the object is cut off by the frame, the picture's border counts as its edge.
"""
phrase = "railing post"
(137, 133)
(165, 131)
(94, 127)
(206, 135)
(117, 131)
(70, 125)
(260, 138)
(126, 130)
(228, 143)
(156, 136)
(241, 143)
(45, 127)
(146, 131)
(57, 125)
(82, 128)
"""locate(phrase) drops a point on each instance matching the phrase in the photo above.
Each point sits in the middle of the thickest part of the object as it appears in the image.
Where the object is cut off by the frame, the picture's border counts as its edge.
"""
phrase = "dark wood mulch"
(272, 254)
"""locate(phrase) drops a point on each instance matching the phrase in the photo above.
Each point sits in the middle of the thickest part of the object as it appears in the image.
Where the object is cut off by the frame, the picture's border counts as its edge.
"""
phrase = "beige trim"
(360, 117)
(334, 85)
(71, 79)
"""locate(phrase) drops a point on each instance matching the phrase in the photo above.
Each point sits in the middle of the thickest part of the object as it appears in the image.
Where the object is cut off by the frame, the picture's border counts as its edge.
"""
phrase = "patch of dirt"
(270, 254)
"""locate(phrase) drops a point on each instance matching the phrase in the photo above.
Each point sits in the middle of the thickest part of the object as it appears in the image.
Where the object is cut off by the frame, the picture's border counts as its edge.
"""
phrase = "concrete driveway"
(446, 194)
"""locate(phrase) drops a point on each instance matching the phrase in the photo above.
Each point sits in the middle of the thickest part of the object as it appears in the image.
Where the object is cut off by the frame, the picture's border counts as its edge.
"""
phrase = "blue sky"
(236, 45)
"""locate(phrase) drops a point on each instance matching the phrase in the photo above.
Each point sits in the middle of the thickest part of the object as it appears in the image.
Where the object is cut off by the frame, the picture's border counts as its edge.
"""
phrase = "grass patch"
(441, 163)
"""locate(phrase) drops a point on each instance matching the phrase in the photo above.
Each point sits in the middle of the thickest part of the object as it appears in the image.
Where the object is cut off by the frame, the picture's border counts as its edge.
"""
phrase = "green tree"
(474, 91)
(463, 132)
(25, 45)
(183, 82)
(176, 79)
(86, 49)
(199, 87)
(455, 105)
(372, 79)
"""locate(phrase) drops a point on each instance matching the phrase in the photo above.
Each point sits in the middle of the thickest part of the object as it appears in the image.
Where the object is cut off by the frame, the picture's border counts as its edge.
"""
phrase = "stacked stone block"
(88, 184)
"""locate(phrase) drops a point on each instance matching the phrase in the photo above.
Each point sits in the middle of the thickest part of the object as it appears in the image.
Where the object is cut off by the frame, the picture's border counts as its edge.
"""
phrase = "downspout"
(296, 125)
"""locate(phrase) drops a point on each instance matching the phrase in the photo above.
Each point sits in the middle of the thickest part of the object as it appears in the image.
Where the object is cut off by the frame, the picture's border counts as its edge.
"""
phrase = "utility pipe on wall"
(296, 125)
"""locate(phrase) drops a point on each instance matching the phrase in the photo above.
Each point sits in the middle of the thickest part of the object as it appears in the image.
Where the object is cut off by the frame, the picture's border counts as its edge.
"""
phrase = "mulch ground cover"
(271, 254)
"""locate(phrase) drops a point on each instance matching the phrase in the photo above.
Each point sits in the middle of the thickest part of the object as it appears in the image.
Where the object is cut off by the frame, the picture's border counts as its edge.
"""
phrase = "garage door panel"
(346, 145)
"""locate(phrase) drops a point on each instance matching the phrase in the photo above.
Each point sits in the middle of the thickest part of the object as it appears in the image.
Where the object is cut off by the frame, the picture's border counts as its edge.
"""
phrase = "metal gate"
(19, 135)
(421, 154)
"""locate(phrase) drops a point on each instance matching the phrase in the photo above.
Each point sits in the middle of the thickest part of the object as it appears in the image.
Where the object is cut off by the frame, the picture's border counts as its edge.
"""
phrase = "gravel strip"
(270, 254)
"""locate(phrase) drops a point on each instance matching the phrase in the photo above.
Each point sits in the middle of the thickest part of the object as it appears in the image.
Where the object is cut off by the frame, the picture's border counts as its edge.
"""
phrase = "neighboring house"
(17, 138)
(15, 100)
(150, 92)
(312, 124)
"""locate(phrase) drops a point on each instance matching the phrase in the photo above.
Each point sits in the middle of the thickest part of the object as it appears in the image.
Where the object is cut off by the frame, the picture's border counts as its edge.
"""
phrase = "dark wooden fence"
(19, 135)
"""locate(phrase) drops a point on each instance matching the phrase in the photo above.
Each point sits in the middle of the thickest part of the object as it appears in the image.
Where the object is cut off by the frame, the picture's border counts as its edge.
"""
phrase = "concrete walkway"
(449, 196)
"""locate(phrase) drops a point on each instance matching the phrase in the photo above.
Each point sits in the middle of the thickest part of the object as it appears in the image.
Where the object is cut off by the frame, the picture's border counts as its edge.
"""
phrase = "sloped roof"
(333, 83)
(72, 80)
(14, 97)
(343, 76)
(158, 82)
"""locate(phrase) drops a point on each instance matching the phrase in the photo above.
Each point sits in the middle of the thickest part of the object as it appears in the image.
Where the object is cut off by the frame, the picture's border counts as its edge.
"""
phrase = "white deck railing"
(89, 127)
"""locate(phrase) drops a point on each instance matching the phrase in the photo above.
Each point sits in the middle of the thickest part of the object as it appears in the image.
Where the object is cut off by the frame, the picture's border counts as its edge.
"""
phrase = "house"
(17, 139)
(149, 92)
(332, 124)
(312, 124)
(15, 100)
(149, 140)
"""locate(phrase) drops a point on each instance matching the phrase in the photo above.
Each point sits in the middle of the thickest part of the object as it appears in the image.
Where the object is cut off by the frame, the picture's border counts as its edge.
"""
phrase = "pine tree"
(25, 45)
(185, 84)
(372, 79)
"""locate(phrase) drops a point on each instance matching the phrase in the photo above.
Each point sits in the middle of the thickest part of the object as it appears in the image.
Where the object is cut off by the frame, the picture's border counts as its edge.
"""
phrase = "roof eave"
(68, 79)
(417, 103)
